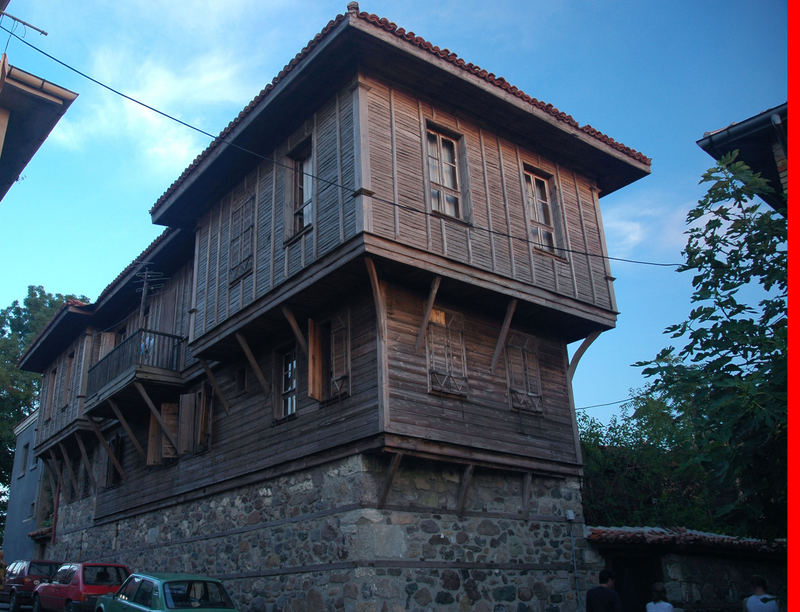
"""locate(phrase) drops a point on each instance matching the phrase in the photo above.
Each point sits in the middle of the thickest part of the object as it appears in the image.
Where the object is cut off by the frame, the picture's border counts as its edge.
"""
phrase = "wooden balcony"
(146, 356)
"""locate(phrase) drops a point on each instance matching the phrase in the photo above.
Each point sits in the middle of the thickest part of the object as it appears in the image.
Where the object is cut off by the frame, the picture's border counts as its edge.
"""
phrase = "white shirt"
(756, 603)
(659, 606)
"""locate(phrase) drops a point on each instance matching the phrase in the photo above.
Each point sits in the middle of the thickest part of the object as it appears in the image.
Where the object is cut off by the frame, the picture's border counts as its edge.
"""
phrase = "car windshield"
(182, 594)
(43, 569)
(104, 574)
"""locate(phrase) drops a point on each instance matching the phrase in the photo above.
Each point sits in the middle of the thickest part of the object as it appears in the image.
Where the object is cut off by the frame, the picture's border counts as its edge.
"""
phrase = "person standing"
(760, 600)
(659, 603)
(604, 598)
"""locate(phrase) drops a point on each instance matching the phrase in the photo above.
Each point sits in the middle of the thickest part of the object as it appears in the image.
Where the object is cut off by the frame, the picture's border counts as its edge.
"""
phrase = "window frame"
(445, 345)
(535, 206)
(241, 238)
(302, 198)
(281, 391)
(527, 396)
(329, 369)
(438, 183)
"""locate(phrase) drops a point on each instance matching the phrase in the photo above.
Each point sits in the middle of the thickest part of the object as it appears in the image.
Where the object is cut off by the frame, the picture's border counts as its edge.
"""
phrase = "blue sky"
(652, 75)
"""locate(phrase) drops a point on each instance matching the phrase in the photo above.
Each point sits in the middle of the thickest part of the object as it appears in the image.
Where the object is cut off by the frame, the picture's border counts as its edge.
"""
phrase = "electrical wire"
(622, 401)
(328, 183)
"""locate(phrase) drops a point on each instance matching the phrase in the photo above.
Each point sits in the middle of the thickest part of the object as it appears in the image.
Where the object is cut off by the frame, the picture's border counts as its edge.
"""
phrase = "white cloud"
(646, 228)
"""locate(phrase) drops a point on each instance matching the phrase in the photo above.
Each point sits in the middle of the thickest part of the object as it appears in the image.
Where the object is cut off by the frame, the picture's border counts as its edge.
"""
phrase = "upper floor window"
(540, 204)
(447, 361)
(240, 256)
(303, 185)
(443, 173)
(50, 398)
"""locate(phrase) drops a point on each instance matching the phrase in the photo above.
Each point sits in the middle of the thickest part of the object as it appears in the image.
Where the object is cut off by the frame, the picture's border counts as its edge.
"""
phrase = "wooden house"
(341, 375)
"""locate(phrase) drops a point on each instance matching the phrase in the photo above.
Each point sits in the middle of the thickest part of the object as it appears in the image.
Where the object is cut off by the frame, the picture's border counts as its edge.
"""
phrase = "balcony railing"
(144, 348)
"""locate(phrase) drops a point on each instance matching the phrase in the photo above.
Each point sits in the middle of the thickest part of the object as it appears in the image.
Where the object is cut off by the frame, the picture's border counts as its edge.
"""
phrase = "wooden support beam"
(428, 309)
(527, 477)
(587, 342)
(298, 333)
(52, 476)
(501, 339)
(251, 359)
(466, 480)
(109, 452)
(387, 483)
(157, 415)
(87, 465)
(377, 296)
(127, 428)
(70, 473)
(213, 380)
(54, 465)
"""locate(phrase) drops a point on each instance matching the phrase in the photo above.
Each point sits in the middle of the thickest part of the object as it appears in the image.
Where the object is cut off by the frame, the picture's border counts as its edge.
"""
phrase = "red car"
(76, 586)
(24, 576)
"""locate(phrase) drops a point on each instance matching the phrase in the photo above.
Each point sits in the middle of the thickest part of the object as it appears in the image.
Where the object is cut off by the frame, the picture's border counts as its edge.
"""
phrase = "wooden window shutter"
(107, 342)
(340, 357)
(154, 442)
(186, 424)
(316, 386)
(169, 412)
(203, 406)
(522, 368)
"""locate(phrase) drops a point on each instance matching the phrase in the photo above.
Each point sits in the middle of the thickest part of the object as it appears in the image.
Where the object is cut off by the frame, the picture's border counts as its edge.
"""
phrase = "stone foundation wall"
(315, 540)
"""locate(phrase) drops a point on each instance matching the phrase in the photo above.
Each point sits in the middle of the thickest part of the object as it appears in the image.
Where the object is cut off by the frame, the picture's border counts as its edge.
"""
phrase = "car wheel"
(70, 607)
(13, 603)
(37, 607)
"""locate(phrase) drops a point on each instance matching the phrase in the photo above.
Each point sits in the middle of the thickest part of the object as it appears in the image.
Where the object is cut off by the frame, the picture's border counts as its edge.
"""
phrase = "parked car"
(22, 577)
(167, 592)
(76, 586)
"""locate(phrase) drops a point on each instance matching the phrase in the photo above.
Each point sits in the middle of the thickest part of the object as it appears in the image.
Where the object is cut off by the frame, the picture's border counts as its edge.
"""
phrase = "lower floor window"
(288, 383)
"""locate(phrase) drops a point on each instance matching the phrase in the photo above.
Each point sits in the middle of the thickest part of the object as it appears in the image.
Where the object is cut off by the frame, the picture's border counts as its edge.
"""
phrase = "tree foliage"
(639, 470)
(729, 378)
(19, 324)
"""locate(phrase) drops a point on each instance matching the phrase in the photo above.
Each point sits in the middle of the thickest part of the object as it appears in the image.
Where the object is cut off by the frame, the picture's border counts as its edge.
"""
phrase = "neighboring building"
(22, 518)
(30, 107)
(340, 375)
(701, 571)
(762, 144)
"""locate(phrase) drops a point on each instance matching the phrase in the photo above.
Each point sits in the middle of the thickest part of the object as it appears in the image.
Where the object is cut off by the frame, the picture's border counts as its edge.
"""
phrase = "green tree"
(638, 469)
(19, 324)
(730, 375)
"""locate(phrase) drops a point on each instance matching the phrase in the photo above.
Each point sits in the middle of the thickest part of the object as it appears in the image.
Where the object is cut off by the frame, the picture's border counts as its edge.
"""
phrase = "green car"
(143, 592)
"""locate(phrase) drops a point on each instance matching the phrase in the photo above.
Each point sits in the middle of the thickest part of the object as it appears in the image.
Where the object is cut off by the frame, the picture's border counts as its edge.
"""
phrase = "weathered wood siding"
(249, 439)
(483, 417)
(493, 234)
(277, 255)
(63, 383)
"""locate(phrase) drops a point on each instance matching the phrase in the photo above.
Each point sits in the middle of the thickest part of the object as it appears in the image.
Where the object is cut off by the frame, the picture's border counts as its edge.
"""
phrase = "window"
(240, 255)
(128, 589)
(24, 460)
(539, 201)
(303, 188)
(288, 377)
(189, 423)
(444, 175)
(522, 371)
(447, 364)
(67, 383)
(50, 398)
(144, 596)
(329, 358)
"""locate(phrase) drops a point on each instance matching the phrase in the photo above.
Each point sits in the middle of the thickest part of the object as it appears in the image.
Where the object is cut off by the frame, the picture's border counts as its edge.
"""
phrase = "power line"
(622, 401)
(329, 183)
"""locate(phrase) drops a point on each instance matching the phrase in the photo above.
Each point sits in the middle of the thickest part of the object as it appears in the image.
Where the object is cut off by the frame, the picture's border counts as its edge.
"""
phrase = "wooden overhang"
(30, 107)
(754, 138)
(66, 324)
(357, 43)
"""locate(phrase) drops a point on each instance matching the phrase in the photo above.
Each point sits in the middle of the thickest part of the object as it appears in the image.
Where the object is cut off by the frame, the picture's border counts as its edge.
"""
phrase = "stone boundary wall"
(315, 540)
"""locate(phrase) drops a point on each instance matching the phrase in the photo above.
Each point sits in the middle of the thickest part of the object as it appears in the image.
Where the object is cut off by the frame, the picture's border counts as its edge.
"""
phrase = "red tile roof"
(630, 536)
(411, 38)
